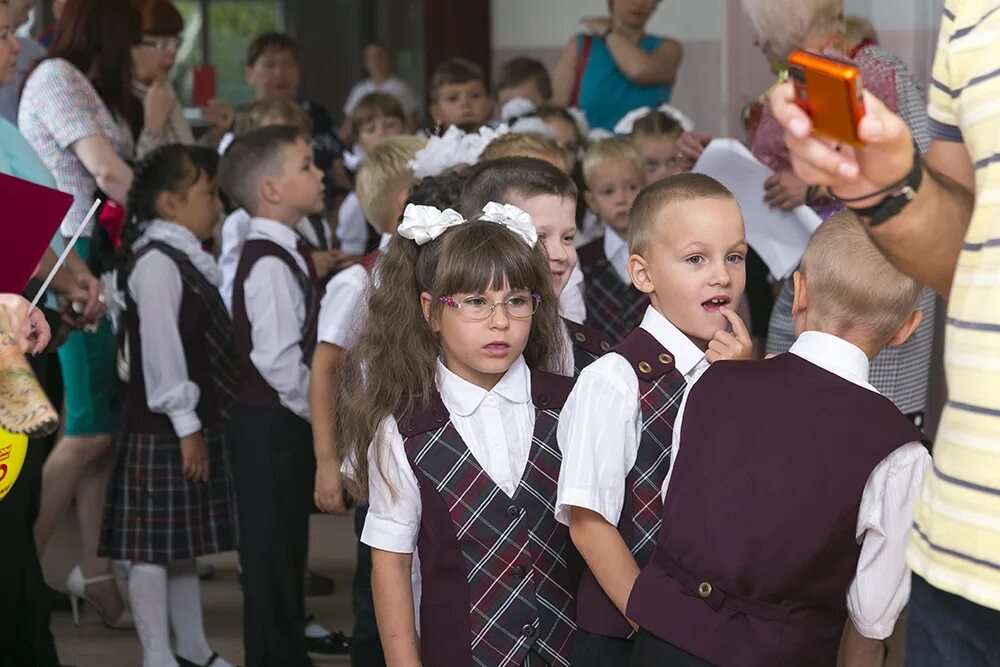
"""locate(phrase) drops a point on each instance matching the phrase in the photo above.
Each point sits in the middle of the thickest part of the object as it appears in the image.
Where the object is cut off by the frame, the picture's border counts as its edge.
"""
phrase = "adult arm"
(393, 596)
(564, 75)
(925, 238)
(644, 68)
(113, 176)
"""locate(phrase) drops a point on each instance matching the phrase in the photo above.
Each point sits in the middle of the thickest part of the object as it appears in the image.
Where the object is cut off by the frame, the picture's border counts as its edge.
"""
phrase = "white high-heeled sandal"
(76, 587)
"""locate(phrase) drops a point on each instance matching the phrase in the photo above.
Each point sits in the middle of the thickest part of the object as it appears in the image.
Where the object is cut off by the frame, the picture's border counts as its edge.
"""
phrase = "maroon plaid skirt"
(154, 515)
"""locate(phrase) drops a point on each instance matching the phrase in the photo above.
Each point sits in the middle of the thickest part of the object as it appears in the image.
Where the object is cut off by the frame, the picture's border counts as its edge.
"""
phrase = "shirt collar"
(613, 243)
(384, 241)
(835, 355)
(464, 398)
(687, 355)
(273, 230)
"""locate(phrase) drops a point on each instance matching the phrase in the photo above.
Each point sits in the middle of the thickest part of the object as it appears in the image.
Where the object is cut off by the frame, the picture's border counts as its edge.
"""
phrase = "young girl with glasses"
(448, 418)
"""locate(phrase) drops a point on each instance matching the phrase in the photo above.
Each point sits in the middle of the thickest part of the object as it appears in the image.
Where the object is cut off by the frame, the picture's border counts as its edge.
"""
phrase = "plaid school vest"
(612, 306)
(589, 345)
(496, 570)
(661, 387)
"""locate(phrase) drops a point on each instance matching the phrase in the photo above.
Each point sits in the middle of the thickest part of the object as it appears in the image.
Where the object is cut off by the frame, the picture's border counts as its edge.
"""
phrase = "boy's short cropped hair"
(253, 156)
(851, 285)
(271, 41)
(654, 200)
(372, 106)
(523, 144)
(525, 177)
(522, 69)
(606, 150)
(441, 191)
(260, 112)
(454, 71)
(386, 168)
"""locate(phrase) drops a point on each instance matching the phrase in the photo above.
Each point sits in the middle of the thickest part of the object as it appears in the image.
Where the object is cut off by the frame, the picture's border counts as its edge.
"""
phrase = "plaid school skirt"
(154, 515)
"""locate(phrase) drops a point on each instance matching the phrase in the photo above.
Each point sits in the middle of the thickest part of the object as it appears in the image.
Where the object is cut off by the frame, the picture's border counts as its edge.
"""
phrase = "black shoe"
(317, 584)
(335, 643)
(58, 600)
(187, 663)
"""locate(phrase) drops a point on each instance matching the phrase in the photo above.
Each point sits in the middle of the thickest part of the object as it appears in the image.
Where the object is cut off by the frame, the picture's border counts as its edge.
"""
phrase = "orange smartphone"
(829, 90)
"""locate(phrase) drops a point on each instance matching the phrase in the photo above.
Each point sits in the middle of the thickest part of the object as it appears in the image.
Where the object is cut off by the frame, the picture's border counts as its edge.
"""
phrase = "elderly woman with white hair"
(782, 26)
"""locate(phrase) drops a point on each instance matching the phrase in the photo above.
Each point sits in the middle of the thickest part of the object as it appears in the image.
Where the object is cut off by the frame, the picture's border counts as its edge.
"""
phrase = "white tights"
(165, 597)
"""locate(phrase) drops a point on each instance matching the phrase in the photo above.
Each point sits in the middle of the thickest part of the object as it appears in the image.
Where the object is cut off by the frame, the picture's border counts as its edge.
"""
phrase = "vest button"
(605, 346)
(513, 512)
(644, 367)
(580, 337)
(543, 400)
(665, 359)
(520, 572)
(528, 631)
(704, 589)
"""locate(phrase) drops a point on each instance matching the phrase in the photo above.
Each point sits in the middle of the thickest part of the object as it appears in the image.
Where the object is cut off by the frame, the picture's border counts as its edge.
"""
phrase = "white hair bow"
(512, 218)
(627, 124)
(515, 108)
(452, 149)
(423, 224)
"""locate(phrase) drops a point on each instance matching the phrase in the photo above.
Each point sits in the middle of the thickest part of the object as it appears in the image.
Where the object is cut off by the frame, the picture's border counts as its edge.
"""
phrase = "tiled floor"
(92, 645)
(332, 553)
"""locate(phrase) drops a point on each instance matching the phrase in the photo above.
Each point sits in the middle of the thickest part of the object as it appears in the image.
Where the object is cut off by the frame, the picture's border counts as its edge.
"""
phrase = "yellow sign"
(12, 451)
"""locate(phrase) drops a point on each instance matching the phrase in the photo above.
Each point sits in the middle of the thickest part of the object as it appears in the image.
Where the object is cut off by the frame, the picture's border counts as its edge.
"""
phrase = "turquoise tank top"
(606, 94)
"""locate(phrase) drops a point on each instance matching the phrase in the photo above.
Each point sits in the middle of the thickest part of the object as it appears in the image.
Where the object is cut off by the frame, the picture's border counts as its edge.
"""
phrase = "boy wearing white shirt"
(613, 171)
(688, 245)
(271, 173)
(778, 528)
(383, 186)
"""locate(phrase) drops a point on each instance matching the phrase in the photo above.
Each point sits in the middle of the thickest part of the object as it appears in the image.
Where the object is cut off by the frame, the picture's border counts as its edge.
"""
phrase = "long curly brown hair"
(391, 368)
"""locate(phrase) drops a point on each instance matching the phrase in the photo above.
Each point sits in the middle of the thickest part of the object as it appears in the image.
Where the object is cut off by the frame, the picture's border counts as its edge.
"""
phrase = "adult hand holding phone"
(885, 159)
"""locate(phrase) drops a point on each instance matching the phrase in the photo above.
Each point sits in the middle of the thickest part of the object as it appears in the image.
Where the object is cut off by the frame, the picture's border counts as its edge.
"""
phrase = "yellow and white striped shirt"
(956, 539)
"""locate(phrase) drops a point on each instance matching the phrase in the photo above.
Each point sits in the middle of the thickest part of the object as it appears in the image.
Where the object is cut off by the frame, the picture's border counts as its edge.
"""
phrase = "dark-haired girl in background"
(171, 494)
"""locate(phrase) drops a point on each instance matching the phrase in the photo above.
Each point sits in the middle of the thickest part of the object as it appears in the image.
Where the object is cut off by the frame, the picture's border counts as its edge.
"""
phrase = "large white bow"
(423, 224)
(512, 218)
(627, 124)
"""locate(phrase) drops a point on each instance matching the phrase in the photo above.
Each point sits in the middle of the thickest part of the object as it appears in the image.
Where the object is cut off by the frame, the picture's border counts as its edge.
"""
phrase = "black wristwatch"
(897, 199)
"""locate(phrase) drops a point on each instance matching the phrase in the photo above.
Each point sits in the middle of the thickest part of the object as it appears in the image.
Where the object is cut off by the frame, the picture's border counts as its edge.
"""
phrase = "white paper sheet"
(779, 237)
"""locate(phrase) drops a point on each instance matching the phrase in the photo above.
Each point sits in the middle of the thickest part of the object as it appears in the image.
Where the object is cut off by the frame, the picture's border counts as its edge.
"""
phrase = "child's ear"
(166, 205)
(268, 191)
(906, 329)
(425, 305)
(399, 205)
(800, 302)
(638, 269)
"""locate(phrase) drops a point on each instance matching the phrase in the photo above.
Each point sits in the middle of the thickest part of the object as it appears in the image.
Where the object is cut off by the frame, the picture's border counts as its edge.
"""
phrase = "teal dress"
(92, 390)
(606, 94)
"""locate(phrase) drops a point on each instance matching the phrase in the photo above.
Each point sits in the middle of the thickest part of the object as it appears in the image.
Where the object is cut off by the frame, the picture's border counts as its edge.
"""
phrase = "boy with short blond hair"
(383, 186)
(616, 430)
(784, 525)
(614, 174)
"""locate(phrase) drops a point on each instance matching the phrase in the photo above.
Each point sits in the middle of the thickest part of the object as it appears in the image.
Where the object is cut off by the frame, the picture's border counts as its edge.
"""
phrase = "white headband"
(423, 224)
(627, 124)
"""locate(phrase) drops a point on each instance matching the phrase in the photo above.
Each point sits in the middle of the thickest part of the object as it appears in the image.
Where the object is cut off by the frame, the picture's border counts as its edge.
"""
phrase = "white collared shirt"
(495, 425)
(352, 228)
(600, 426)
(234, 232)
(616, 252)
(342, 311)
(881, 585)
(276, 310)
(572, 303)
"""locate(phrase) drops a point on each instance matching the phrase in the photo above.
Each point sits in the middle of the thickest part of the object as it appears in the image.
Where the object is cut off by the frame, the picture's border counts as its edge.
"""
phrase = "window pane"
(232, 25)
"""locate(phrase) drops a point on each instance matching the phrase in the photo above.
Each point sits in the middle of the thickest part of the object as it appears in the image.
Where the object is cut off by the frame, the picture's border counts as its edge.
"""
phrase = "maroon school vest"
(661, 387)
(368, 261)
(589, 345)
(613, 307)
(254, 389)
(758, 547)
(206, 338)
(496, 581)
